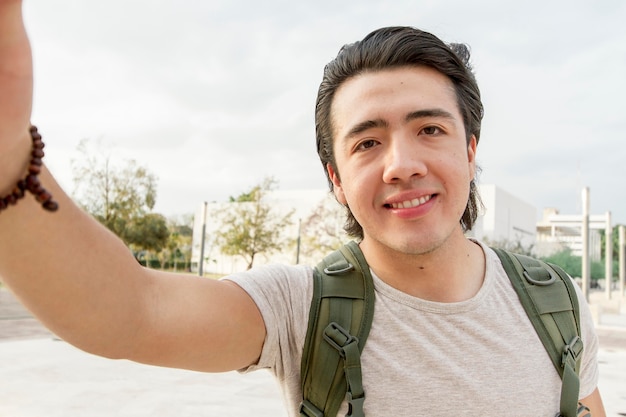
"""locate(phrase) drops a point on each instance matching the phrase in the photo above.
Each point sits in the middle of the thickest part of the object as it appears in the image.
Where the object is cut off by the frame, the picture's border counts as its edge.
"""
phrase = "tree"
(115, 194)
(251, 226)
(322, 231)
(615, 237)
(148, 232)
(178, 247)
(572, 264)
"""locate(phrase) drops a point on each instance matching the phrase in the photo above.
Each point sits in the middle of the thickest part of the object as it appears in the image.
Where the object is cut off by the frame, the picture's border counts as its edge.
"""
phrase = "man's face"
(404, 166)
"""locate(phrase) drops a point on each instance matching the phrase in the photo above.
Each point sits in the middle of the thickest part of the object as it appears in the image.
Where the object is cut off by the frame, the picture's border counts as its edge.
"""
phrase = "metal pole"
(202, 239)
(622, 255)
(298, 242)
(608, 256)
(586, 270)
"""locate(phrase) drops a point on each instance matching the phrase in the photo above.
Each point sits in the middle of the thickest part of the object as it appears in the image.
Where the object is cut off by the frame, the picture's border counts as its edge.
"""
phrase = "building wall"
(556, 231)
(505, 218)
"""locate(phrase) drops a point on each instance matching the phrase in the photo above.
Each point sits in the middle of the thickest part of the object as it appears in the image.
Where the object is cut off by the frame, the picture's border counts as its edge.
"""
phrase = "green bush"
(572, 264)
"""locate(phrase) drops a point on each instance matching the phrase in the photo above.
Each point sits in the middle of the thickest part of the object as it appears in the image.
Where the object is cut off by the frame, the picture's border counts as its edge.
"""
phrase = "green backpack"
(342, 310)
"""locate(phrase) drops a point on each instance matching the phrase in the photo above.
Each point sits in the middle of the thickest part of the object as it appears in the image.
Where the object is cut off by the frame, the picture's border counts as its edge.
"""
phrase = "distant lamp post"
(586, 269)
(298, 241)
(202, 238)
(622, 259)
(608, 256)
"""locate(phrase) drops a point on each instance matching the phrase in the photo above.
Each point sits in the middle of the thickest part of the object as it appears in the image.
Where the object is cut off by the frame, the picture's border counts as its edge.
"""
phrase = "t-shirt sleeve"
(282, 294)
(589, 373)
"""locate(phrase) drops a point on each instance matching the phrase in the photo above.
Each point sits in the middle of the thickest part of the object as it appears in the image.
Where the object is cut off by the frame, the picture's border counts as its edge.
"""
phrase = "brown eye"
(366, 144)
(431, 130)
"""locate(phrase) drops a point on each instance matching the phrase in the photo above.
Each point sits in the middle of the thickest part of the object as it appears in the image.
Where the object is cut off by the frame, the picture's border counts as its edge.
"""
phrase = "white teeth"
(411, 203)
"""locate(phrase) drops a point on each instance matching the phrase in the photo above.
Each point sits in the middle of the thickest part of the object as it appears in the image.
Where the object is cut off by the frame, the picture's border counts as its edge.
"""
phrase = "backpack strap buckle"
(572, 351)
(355, 406)
(571, 382)
(307, 409)
(348, 347)
(338, 268)
(539, 275)
(339, 338)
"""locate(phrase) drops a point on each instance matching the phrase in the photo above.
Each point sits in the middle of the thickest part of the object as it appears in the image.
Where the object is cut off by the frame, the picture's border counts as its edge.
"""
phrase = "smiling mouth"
(409, 203)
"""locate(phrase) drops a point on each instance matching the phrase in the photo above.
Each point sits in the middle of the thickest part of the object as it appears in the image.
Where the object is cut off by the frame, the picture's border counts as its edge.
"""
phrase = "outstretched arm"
(81, 280)
(16, 91)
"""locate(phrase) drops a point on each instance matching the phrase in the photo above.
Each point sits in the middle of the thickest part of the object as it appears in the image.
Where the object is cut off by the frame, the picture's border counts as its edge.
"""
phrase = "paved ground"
(41, 376)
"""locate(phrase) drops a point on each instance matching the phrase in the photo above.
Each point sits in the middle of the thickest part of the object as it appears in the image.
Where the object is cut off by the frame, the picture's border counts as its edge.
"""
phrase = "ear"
(471, 156)
(337, 188)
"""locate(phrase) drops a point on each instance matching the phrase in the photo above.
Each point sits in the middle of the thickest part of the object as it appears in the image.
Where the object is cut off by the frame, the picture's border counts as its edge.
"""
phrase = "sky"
(214, 95)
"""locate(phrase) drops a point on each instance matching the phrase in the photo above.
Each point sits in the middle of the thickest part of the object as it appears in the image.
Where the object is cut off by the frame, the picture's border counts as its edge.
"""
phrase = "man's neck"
(452, 272)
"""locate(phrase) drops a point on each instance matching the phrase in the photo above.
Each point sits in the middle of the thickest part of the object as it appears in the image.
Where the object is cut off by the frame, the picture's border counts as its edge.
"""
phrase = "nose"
(403, 160)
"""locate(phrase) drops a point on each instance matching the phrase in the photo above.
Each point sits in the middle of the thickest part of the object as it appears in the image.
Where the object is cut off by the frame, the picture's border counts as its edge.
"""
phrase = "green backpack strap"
(341, 315)
(550, 300)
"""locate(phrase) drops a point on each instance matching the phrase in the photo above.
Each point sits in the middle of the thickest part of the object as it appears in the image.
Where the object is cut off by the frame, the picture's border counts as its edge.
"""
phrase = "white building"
(505, 218)
(557, 231)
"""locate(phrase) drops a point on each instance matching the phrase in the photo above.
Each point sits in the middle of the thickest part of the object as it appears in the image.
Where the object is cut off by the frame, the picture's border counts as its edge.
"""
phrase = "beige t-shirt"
(477, 357)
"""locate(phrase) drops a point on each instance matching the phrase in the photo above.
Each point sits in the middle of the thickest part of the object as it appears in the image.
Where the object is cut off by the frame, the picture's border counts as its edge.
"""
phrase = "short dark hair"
(394, 47)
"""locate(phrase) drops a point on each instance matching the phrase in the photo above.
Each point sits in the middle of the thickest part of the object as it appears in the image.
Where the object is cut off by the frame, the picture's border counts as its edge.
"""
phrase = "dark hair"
(393, 47)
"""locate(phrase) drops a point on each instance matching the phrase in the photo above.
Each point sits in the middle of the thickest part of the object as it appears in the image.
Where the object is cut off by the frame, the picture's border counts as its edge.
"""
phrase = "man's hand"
(16, 95)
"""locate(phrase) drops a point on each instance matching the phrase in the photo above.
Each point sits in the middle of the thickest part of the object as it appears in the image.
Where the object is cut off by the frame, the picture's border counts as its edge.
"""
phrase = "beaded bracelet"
(31, 182)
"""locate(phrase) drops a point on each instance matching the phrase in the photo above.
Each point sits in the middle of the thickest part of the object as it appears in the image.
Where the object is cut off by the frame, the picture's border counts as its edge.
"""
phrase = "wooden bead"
(37, 189)
(34, 169)
(31, 182)
(43, 196)
(18, 192)
(50, 205)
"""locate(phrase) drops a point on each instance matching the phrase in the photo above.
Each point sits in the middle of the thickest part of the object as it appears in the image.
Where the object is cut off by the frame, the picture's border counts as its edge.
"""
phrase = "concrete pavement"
(41, 376)
(50, 378)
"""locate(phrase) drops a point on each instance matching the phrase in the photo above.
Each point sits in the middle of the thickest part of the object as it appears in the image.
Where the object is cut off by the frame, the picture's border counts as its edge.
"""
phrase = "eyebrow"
(366, 125)
(428, 113)
(380, 123)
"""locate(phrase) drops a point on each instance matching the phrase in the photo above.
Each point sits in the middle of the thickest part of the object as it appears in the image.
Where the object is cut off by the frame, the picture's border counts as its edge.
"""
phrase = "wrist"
(31, 181)
(14, 163)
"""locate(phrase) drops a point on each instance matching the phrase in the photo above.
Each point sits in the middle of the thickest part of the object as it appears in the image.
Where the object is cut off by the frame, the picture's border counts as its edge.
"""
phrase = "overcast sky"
(213, 95)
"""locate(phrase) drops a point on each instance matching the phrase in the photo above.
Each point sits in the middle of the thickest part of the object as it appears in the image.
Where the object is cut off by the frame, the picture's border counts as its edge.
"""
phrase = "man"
(398, 122)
